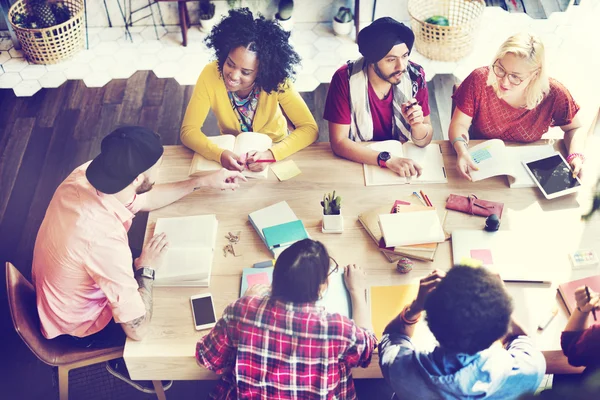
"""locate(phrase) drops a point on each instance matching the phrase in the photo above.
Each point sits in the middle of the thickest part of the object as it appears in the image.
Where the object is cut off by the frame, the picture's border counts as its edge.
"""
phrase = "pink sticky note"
(484, 255)
(256, 279)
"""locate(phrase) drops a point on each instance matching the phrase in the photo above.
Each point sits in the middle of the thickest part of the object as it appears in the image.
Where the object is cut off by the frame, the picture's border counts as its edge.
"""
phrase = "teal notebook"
(284, 234)
(336, 298)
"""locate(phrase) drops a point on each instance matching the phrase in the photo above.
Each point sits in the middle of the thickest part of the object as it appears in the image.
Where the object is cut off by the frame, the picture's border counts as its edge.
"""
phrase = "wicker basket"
(445, 43)
(54, 44)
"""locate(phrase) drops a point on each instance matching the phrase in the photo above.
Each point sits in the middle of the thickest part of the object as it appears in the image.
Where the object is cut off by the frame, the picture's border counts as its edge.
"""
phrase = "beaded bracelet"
(571, 156)
(408, 321)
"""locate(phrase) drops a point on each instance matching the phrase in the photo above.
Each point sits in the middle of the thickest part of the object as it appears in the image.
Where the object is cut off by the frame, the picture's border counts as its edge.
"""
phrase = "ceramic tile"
(15, 65)
(307, 66)
(324, 74)
(306, 51)
(84, 56)
(327, 43)
(327, 59)
(97, 79)
(146, 62)
(4, 57)
(122, 70)
(14, 53)
(106, 48)
(33, 72)
(149, 33)
(77, 71)
(93, 41)
(170, 54)
(167, 69)
(101, 63)
(135, 40)
(52, 79)
(27, 88)
(9, 80)
(5, 44)
(61, 66)
(195, 61)
(111, 34)
(306, 83)
(349, 51)
(188, 76)
(303, 26)
(323, 30)
(150, 47)
(304, 37)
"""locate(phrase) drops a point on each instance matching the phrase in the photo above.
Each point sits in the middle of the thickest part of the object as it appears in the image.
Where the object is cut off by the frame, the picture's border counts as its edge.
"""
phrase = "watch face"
(384, 156)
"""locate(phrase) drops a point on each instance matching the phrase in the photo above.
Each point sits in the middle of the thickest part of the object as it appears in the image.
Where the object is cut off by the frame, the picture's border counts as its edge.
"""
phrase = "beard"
(145, 187)
(388, 77)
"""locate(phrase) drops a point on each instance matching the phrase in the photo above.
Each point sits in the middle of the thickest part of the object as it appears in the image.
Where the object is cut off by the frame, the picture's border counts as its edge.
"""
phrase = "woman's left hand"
(258, 290)
(252, 158)
(577, 167)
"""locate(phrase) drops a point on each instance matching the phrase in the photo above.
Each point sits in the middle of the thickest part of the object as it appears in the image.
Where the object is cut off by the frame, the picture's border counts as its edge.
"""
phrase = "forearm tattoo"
(145, 290)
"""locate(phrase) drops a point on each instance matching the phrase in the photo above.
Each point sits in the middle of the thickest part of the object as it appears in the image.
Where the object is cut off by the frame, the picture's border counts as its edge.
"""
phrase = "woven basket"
(445, 43)
(54, 44)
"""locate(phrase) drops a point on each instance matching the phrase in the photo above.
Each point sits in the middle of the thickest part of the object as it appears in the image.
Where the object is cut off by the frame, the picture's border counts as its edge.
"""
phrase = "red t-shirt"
(494, 118)
(337, 105)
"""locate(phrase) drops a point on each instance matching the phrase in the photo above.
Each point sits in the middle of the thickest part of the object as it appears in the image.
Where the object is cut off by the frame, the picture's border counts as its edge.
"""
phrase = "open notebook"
(336, 298)
(240, 144)
(430, 158)
(189, 258)
(494, 158)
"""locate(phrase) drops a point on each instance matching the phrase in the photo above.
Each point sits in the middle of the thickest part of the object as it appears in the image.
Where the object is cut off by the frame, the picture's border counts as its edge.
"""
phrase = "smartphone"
(203, 311)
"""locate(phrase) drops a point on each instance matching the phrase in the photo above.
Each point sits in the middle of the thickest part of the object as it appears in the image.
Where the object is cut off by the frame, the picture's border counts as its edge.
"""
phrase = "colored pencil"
(266, 161)
(420, 199)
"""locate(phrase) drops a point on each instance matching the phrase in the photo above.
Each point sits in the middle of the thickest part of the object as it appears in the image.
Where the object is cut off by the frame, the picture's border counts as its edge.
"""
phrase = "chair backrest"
(454, 89)
(23, 310)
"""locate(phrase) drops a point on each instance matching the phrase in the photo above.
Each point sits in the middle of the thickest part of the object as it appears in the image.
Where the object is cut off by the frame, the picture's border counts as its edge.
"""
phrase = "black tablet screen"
(553, 174)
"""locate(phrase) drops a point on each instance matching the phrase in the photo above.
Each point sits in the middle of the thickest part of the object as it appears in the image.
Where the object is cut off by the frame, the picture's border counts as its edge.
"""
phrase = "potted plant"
(284, 14)
(342, 22)
(207, 15)
(333, 221)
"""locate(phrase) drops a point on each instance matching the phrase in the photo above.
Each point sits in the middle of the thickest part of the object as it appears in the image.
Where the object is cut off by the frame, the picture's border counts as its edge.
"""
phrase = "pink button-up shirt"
(82, 264)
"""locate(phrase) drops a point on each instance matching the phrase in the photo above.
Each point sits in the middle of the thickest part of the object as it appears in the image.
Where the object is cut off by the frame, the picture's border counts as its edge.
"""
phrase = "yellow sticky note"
(471, 262)
(285, 170)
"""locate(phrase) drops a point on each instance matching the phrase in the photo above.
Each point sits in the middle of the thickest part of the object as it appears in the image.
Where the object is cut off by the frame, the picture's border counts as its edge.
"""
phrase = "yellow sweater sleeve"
(195, 115)
(306, 130)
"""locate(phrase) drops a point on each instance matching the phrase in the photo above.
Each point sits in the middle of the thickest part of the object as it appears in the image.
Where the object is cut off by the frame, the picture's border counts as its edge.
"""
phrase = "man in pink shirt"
(85, 284)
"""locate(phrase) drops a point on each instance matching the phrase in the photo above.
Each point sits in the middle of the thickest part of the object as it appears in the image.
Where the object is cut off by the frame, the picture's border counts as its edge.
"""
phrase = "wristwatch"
(382, 158)
(145, 272)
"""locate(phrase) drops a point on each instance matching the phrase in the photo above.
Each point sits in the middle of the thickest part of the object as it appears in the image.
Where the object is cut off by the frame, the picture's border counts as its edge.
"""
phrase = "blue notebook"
(254, 276)
(284, 234)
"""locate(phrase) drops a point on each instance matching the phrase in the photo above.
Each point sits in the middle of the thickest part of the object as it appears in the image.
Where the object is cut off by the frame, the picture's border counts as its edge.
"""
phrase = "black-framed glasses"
(333, 266)
(512, 78)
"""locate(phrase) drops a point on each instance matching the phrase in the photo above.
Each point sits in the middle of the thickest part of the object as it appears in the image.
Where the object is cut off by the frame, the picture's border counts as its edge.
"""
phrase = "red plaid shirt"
(267, 349)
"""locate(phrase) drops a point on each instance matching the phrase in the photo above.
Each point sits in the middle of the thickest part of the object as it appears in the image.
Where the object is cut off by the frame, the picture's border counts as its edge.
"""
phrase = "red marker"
(267, 161)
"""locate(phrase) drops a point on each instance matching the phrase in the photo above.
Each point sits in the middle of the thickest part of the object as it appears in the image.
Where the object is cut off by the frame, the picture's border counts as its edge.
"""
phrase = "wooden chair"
(184, 17)
(57, 352)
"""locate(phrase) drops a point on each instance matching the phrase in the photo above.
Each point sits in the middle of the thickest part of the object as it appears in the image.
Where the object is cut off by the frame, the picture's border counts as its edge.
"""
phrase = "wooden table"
(168, 350)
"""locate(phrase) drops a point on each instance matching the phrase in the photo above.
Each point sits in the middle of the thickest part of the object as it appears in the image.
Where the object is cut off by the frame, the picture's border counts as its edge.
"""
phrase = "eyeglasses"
(512, 78)
(333, 266)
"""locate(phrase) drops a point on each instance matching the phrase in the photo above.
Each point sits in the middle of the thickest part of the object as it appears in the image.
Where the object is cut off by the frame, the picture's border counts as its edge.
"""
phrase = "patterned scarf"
(245, 108)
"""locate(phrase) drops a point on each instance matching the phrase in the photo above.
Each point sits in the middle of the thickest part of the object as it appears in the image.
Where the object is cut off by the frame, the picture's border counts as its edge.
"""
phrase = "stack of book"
(410, 230)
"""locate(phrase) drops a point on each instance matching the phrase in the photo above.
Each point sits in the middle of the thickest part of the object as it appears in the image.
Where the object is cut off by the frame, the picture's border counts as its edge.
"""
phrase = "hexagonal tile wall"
(112, 55)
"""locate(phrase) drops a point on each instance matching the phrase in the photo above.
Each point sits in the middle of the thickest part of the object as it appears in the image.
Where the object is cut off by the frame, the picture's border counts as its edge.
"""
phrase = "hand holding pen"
(587, 300)
(257, 161)
(412, 112)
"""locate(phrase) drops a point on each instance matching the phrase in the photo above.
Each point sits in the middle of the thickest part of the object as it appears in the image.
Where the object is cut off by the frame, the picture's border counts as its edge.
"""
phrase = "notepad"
(430, 158)
(284, 234)
(189, 258)
(285, 170)
(255, 276)
(386, 302)
(240, 144)
(567, 292)
(402, 229)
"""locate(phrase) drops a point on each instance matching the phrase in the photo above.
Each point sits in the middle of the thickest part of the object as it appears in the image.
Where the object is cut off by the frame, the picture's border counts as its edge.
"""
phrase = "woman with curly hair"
(248, 88)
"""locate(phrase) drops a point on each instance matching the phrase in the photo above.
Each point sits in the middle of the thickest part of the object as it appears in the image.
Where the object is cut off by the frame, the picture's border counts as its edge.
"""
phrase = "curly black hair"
(276, 56)
(469, 310)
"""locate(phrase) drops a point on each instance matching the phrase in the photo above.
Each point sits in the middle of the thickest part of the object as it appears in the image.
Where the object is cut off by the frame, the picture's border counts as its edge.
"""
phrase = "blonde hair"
(530, 49)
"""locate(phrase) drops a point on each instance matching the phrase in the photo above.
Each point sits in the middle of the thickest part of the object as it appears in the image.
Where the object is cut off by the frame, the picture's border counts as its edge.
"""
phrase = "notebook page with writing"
(490, 158)
(250, 141)
(430, 159)
(201, 164)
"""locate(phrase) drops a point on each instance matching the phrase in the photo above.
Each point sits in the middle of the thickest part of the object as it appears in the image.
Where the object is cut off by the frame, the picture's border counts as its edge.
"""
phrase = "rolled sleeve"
(582, 348)
(215, 351)
(110, 266)
(360, 352)
(529, 360)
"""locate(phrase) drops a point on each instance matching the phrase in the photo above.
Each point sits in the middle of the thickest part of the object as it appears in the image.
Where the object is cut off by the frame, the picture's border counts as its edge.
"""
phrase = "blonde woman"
(514, 100)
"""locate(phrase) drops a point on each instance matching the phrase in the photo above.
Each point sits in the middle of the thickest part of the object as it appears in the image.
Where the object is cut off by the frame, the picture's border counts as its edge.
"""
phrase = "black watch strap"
(145, 272)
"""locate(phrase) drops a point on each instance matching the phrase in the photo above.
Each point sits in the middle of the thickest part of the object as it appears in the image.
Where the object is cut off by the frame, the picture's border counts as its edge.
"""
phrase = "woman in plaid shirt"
(283, 345)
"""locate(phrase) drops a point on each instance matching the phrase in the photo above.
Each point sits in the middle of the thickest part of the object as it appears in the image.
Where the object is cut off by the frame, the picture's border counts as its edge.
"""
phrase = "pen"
(267, 161)
(410, 106)
(264, 264)
(427, 202)
(587, 292)
(420, 199)
(547, 319)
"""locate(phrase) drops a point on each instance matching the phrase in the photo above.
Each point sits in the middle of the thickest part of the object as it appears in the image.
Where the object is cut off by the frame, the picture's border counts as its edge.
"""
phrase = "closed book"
(276, 214)
(255, 276)
(567, 292)
(402, 229)
(284, 234)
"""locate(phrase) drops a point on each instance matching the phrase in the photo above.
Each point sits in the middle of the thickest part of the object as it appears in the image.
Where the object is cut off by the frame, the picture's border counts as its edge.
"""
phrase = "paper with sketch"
(240, 144)
(430, 158)
(188, 261)
(494, 158)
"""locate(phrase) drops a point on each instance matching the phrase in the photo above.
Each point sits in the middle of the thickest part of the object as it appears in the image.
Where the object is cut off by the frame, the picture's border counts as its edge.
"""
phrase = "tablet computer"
(553, 175)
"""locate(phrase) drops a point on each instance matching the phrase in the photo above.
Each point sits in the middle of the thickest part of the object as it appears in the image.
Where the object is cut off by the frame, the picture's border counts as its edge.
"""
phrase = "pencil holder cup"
(333, 223)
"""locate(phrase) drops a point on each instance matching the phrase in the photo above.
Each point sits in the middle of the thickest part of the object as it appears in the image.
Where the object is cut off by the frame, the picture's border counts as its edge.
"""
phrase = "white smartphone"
(203, 311)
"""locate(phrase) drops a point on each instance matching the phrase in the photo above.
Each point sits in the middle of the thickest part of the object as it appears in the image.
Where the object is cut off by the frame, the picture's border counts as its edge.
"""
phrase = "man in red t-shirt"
(380, 96)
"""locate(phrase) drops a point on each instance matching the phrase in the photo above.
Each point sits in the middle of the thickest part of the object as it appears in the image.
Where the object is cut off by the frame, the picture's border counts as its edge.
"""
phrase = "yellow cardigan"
(210, 93)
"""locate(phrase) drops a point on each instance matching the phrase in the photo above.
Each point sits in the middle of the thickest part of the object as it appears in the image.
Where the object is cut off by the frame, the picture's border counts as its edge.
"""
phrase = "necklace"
(382, 94)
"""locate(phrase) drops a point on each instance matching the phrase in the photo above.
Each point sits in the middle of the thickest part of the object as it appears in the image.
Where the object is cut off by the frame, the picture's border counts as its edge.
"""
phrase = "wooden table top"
(168, 350)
